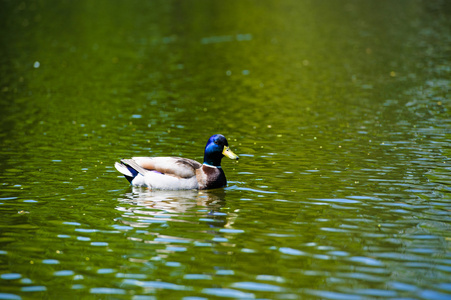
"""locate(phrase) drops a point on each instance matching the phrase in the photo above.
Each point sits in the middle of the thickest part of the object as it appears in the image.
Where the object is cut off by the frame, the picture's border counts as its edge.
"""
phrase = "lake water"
(339, 110)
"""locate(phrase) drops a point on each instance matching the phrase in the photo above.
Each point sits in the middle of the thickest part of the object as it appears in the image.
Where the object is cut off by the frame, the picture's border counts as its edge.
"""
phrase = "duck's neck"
(212, 161)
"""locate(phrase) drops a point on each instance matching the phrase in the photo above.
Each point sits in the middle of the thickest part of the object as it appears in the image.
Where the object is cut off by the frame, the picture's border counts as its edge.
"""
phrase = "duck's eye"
(216, 142)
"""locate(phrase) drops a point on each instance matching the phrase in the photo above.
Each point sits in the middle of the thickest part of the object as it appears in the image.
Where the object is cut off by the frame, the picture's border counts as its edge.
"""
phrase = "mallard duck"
(177, 173)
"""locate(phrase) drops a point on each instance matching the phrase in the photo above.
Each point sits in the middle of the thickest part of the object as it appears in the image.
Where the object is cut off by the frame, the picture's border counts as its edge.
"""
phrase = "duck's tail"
(126, 170)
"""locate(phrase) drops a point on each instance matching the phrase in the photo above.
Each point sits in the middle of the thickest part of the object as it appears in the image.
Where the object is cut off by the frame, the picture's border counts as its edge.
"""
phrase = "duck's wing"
(176, 166)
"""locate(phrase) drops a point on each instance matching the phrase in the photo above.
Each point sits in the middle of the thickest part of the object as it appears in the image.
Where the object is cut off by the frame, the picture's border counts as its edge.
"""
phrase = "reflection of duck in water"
(143, 206)
(177, 173)
(175, 201)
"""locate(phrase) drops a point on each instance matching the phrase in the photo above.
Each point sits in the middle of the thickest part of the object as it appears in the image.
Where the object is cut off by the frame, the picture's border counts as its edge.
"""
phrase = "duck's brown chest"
(211, 178)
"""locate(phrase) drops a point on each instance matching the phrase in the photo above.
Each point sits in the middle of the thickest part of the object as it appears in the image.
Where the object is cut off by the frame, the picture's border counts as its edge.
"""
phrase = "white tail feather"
(123, 169)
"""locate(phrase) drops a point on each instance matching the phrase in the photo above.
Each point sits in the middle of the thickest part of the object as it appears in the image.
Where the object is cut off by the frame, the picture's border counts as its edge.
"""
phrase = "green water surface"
(339, 110)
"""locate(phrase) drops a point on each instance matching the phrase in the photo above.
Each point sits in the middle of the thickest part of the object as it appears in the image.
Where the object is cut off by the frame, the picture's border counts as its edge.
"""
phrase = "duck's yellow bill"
(227, 152)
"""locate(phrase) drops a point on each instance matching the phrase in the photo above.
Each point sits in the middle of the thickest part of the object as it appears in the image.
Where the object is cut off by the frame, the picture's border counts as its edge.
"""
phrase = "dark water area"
(339, 111)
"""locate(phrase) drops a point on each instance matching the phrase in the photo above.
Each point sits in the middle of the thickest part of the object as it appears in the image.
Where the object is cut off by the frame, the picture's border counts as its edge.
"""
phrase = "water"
(339, 111)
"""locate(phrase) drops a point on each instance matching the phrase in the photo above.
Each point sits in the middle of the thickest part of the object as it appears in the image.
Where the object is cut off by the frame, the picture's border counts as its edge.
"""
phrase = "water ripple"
(256, 286)
(107, 291)
(155, 284)
(230, 293)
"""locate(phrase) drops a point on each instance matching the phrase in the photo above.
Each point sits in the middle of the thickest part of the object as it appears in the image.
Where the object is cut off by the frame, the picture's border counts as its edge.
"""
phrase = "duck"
(178, 173)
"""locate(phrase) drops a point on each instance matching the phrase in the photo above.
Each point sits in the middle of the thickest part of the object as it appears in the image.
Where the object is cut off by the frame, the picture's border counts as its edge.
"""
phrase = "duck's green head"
(217, 147)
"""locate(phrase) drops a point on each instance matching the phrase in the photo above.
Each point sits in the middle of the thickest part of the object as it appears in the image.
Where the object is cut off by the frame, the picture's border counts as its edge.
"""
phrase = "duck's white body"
(171, 173)
(177, 173)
